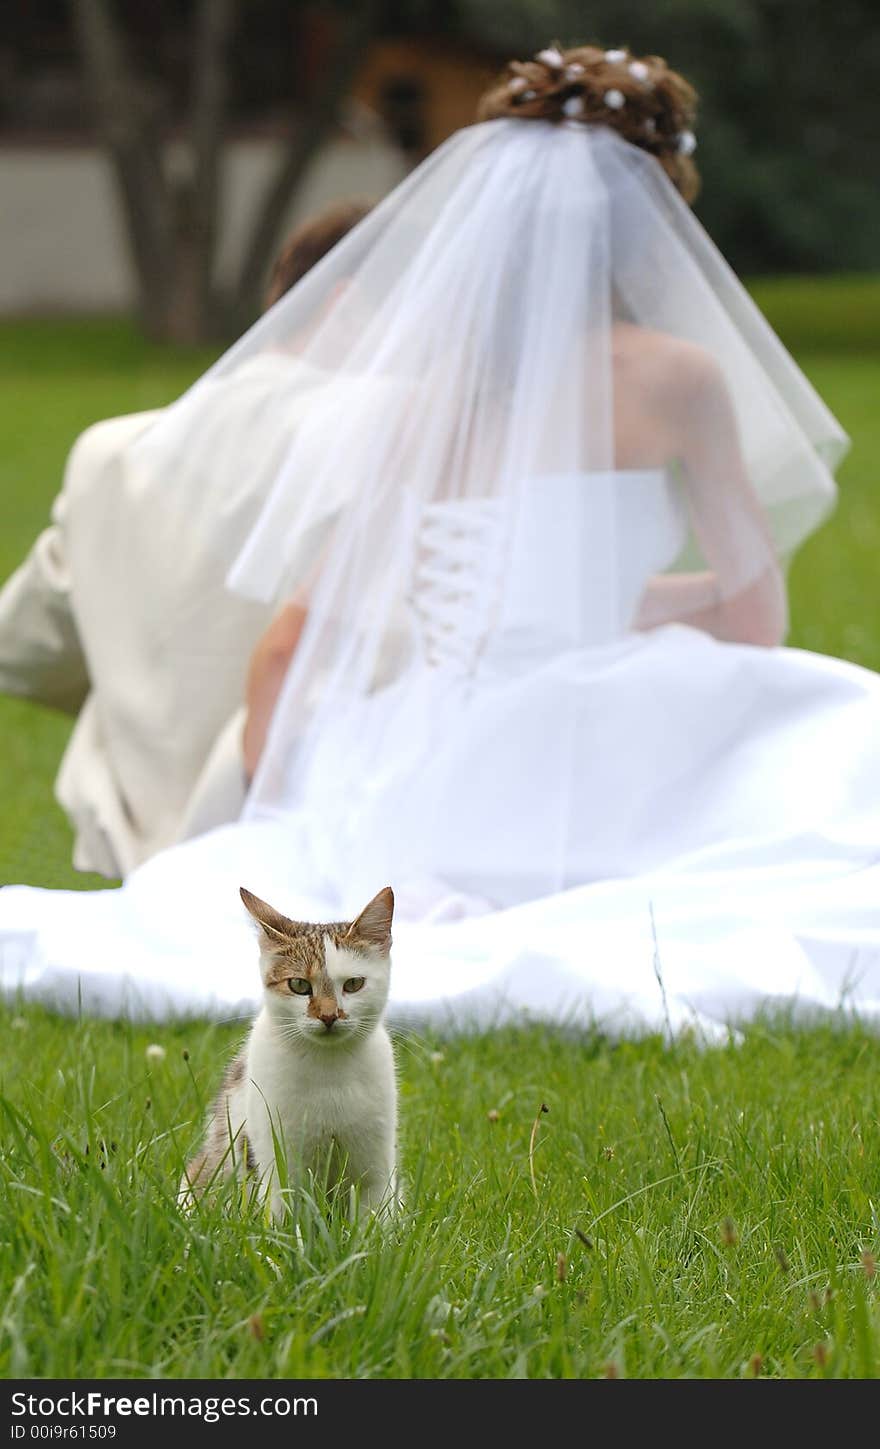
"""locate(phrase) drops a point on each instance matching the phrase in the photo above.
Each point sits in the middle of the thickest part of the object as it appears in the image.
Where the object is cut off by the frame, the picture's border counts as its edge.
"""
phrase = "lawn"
(724, 1200)
(676, 1212)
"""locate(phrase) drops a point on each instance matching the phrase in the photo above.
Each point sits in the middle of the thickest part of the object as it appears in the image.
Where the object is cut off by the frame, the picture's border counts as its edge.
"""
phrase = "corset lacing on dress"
(456, 580)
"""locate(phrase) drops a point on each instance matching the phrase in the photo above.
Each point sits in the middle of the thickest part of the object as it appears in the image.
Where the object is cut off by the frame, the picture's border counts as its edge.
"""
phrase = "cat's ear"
(373, 925)
(276, 929)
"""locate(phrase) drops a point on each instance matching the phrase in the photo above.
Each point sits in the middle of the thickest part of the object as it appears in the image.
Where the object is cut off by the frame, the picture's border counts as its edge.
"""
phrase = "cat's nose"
(329, 1019)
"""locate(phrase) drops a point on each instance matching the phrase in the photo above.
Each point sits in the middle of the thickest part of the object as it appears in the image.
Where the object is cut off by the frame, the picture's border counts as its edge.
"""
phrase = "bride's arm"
(267, 671)
(741, 597)
(688, 598)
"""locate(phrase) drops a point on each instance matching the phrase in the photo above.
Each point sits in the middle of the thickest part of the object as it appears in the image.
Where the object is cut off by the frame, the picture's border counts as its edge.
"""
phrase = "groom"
(120, 616)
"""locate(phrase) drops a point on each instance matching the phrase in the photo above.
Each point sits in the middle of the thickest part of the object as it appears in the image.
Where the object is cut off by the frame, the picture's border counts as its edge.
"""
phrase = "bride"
(544, 504)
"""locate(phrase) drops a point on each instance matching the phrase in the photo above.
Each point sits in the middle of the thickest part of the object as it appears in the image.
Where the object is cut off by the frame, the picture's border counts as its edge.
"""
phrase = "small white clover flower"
(437, 1058)
(614, 99)
(614, 57)
(438, 1310)
(638, 70)
(552, 57)
(574, 106)
(687, 143)
(155, 1052)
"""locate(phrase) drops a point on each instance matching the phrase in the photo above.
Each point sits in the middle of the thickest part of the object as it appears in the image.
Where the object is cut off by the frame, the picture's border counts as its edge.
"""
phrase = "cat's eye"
(354, 983)
(299, 986)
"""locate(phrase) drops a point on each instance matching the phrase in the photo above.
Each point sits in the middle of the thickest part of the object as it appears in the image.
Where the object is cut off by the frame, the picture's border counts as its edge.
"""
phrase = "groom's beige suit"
(120, 614)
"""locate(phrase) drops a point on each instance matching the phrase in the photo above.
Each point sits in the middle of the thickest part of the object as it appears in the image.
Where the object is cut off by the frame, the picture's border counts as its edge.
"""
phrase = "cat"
(316, 1073)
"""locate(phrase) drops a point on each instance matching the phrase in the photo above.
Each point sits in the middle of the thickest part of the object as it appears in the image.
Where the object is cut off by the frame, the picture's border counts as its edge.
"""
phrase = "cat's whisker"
(289, 1033)
(417, 1048)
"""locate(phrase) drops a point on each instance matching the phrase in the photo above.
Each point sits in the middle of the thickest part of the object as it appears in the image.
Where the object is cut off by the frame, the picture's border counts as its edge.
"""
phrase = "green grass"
(55, 379)
(728, 1195)
(725, 1197)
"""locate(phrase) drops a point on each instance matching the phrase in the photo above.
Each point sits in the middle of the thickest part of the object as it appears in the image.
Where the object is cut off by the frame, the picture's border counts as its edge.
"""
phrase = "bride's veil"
(471, 465)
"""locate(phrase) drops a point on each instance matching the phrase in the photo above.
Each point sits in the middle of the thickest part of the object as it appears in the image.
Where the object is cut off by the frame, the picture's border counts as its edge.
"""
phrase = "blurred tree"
(171, 215)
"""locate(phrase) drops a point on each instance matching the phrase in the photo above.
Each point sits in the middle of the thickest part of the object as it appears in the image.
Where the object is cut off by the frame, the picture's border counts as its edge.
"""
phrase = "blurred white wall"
(62, 237)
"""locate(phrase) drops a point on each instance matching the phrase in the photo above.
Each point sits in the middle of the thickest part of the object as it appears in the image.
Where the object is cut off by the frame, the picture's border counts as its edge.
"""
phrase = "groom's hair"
(311, 241)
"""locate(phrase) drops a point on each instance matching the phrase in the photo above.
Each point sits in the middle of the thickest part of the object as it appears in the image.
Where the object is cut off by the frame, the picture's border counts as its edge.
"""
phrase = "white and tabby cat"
(316, 1073)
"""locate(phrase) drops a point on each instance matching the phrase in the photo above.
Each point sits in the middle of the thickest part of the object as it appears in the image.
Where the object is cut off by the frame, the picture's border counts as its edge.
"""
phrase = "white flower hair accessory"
(614, 57)
(551, 57)
(574, 106)
(687, 143)
(614, 99)
(638, 70)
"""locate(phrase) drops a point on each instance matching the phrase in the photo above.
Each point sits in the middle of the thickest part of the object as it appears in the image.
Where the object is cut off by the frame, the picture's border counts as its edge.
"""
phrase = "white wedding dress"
(719, 849)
